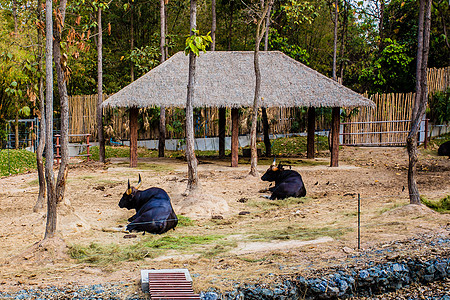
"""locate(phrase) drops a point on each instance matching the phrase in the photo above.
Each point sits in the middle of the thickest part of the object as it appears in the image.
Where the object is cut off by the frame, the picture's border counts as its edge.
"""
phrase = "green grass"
(16, 161)
(148, 247)
(121, 151)
(293, 146)
(442, 206)
(185, 221)
(104, 254)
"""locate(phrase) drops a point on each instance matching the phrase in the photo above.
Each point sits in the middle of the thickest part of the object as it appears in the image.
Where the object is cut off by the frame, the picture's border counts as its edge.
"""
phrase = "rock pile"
(367, 282)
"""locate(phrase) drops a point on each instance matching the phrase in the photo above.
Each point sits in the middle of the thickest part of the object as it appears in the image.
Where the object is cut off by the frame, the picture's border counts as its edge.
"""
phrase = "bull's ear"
(129, 188)
(274, 169)
(139, 182)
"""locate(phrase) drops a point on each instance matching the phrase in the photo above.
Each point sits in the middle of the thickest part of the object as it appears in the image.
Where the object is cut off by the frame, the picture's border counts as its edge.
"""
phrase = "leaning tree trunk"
(101, 139)
(62, 74)
(260, 29)
(162, 114)
(421, 100)
(190, 154)
(50, 227)
(40, 148)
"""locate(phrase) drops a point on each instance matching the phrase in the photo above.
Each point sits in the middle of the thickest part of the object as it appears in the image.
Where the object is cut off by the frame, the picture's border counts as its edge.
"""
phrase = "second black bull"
(288, 183)
(154, 211)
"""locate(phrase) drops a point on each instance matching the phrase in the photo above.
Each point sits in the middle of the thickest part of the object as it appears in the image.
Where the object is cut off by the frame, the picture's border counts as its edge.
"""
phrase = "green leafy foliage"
(389, 72)
(300, 11)
(16, 161)
(197, 42)
(145, 58)
(278, 42)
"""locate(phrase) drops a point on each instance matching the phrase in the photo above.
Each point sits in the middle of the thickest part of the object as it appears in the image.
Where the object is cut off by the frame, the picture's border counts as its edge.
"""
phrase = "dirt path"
(251, 236)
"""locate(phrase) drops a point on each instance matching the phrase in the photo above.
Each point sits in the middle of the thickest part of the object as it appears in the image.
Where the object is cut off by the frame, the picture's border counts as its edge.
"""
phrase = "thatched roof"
(227, 79)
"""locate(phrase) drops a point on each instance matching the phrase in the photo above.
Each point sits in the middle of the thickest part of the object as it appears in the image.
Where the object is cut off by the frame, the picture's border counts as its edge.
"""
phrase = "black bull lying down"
(154, 212)
(288, 183)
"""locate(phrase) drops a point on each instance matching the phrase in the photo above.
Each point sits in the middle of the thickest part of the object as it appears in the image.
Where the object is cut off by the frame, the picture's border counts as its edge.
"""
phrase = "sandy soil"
(258, 236)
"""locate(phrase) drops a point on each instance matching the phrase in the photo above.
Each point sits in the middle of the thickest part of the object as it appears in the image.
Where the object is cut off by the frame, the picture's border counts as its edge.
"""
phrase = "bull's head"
(127, 197)
(273, 172)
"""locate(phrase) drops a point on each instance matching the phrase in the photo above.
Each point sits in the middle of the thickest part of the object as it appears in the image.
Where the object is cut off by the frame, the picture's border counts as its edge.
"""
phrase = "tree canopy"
(376, 51)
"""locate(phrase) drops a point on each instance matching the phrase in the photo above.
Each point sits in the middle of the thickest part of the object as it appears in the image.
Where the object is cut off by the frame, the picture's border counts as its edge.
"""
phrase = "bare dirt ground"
(255, 238)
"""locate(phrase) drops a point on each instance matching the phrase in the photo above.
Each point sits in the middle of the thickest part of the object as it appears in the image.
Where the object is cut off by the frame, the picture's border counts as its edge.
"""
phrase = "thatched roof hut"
(227, 79)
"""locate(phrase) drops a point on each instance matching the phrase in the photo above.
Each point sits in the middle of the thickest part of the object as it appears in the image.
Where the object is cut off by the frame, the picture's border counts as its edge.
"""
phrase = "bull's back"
(290, 185)
(156, 214)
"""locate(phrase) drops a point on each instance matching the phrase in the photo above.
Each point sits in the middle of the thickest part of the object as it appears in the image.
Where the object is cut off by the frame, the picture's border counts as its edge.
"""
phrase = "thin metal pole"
(359, 221)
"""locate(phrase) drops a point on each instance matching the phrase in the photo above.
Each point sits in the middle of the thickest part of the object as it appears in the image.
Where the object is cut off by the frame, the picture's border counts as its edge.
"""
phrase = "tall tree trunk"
(162, 114)
(335, 124)
(222, 110)
(260, 29)
(230, 25)
(40, 148)
(213, 25)
(50, 227)
(134, 112)
(14, 11)
(420, 103)
(311, 132)
(132, 38)
(381, 25)
(265, 121)
(62, 75)
(193, 183)
(335, 115)
(234, 137)
(101, 139)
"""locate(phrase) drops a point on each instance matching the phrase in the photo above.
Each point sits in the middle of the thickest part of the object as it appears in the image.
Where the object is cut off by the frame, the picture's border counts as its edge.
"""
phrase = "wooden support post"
(267, 143)
(88, 145)
(222, 128)
(57, 146)
(335, 122)
(235, 137)
(134, 111)
(311, 132)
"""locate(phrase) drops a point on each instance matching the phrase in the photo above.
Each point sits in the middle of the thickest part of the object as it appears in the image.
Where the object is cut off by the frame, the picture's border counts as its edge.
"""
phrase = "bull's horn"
(139, 182)
(129, 188)
(274, 163)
